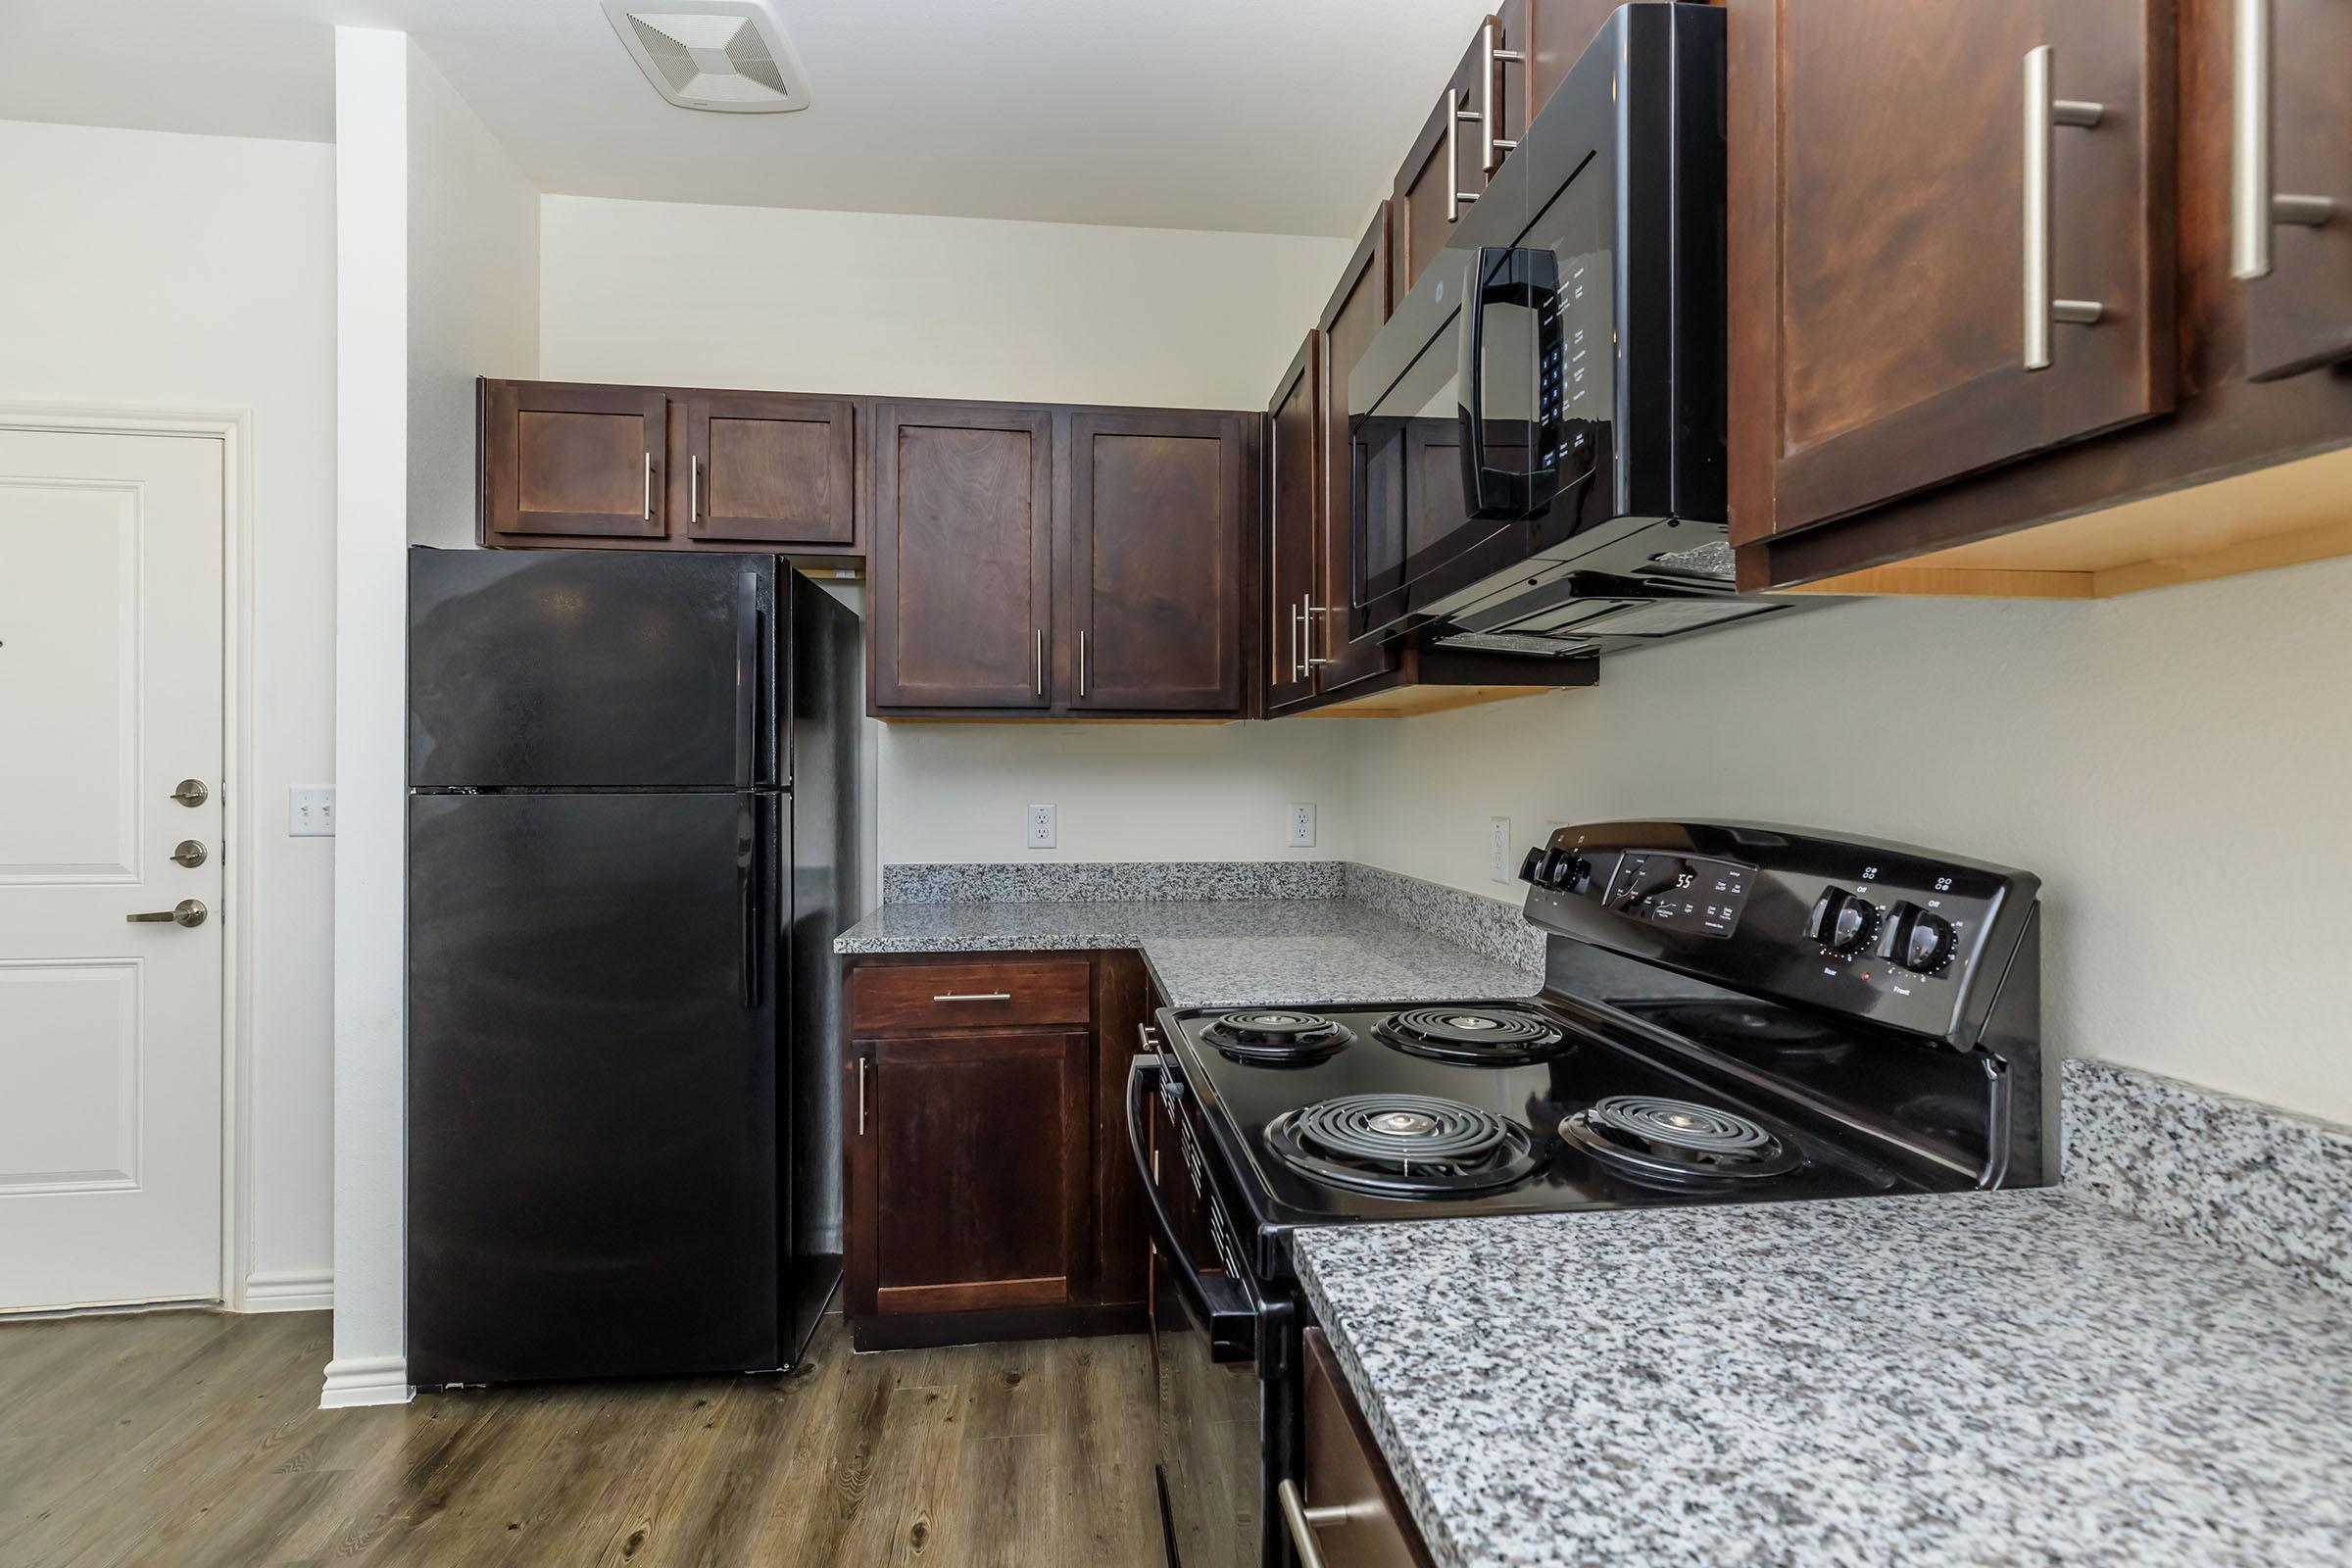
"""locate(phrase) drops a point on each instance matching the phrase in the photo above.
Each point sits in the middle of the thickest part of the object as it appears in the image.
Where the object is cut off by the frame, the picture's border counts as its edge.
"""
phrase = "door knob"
(191, 792)
(190, 853)
(187, 912)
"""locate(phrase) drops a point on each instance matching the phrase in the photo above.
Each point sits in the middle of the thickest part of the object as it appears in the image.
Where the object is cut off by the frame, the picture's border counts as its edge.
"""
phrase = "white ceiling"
(1275, 116)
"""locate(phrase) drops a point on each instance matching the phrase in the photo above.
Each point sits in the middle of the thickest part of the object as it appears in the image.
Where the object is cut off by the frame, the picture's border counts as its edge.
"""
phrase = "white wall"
(144, 268)
(2174, 765)
(371, 250)
(922, 306)
(472, 294)
(969, 307)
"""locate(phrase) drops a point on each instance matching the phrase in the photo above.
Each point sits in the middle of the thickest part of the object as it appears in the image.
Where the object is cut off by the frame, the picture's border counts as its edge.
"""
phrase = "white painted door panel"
(111, 591)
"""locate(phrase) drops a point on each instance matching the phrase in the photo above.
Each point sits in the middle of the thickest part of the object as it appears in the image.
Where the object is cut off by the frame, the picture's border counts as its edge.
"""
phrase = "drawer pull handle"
(1305, 1521)
(975, 996)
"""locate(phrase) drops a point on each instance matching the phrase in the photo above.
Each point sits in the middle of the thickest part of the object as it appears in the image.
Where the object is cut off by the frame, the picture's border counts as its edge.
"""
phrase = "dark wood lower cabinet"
(989, 1192)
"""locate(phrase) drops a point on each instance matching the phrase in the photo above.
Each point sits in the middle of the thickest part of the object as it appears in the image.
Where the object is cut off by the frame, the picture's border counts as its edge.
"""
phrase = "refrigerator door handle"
(750, 870)
(746, 678)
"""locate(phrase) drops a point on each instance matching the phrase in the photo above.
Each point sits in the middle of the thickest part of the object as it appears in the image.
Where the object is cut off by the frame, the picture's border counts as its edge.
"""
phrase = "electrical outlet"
(311, 812)
(1302, 824)
(1499, 850)
(1040, 827)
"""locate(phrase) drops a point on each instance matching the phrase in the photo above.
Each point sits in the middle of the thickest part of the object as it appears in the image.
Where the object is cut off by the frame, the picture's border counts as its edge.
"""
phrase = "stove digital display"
(1692, 893)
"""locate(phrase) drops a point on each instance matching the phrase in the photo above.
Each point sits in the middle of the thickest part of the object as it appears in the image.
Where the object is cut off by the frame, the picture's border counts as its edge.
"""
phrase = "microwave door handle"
(1223, 1307)
(1471, 374)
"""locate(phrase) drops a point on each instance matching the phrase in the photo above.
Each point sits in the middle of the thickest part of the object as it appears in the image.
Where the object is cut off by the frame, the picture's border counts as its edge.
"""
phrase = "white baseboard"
(289, 1290)
(366, 1380)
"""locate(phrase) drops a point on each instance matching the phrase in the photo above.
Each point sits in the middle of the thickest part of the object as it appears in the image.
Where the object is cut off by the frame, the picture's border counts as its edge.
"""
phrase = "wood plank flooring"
(193, 1439)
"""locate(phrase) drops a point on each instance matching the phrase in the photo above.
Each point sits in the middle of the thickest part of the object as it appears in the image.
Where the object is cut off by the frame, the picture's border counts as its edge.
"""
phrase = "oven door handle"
(1220, 1302)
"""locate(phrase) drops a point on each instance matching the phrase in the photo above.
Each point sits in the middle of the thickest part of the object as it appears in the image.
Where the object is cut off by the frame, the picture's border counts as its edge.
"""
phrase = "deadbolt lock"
(190, 852)
(191, 792)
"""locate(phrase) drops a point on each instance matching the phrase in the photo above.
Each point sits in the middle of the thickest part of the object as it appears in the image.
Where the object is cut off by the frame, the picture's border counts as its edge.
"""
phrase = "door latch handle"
(190, 852)
(187, 912)
(191, 792)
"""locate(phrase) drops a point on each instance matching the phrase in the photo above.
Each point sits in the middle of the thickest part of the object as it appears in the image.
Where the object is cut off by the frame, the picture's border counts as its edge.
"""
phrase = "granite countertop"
(1979, 1378)
(1215, 953)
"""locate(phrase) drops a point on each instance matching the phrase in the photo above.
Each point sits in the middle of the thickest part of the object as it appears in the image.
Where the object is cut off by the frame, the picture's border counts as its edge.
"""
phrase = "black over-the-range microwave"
(1537, 434)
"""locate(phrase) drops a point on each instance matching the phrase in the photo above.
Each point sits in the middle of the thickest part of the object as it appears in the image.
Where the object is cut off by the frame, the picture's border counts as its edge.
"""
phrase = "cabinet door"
(1441, 174)
(968, 1187)
(1897, 275)
(1158, 512)
(1547, 36)
(2299, 304)
(1357, 308)
(1293, 489)
(767, 468)
(961, 560)
(579, 461)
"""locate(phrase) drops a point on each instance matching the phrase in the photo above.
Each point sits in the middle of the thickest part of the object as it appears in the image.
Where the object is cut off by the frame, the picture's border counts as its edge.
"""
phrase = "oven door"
(1220, 1400)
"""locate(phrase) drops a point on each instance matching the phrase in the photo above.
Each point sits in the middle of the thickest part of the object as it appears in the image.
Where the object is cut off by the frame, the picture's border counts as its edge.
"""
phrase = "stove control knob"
(1566, 871)
(1918, 939)
(1531, 869)
(1842, 922)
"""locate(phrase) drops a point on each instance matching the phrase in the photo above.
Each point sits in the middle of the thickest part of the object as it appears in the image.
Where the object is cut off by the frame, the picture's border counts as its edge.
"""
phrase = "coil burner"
(1276, 1037)
(1403, 1146)
(1653, 1139)
(1499, 1037)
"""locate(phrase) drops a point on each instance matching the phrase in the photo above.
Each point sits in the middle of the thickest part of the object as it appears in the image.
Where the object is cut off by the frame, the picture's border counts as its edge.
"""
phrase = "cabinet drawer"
(1349, 1501)
(971, 996)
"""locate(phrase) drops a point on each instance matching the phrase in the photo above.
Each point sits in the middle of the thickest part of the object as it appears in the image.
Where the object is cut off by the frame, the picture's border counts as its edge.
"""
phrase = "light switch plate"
(1499, 850)
(1040, 827)
(1302, 824)
(311, 812)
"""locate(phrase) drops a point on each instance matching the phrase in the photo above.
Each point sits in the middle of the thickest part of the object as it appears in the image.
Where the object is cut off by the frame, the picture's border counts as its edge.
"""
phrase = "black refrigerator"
(632, 836)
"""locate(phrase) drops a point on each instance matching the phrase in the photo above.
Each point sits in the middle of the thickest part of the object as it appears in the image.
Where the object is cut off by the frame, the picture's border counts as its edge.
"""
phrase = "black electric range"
(1731, 1012)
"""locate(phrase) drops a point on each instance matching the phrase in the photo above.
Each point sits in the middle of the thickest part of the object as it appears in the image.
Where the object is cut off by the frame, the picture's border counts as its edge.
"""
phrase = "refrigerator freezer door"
(594, 1032)
(591, 670)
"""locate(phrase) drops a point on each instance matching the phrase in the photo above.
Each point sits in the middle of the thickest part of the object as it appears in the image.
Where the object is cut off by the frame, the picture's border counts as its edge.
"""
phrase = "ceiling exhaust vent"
(727, 55)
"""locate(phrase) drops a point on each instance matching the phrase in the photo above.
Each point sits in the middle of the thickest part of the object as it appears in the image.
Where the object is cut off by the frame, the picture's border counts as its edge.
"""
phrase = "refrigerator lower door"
(593, 1085)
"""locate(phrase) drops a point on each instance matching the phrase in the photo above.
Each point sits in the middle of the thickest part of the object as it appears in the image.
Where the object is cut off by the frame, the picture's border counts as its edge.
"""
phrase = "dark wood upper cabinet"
(1547, 36)
(2297, 271)
(1907, 313)
(969, 1185)
(961, 559)
(766, 467)
(1442, 172)
(1160, 520)
(586, 461)
(1294, 518)
(1358, 309)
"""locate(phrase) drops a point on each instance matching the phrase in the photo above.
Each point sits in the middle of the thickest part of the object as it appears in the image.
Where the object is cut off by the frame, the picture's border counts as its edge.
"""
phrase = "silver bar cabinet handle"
(1491, 85)
(973, 996)
(2253, 210)
(1309, 609)
(1041, 661)
(1304, 1521)
(694, 489)
(2044, 113)
(1082, 662)
(649, 487)
(863, 1062)
(1455, 196)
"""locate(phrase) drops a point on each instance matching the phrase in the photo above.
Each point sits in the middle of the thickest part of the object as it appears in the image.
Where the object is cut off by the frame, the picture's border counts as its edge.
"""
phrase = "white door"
(110, 585)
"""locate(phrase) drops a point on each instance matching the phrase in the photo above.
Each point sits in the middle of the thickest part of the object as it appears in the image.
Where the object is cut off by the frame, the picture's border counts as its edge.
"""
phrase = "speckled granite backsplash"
(2250, 1177)
(1484, 925)
(1489, 927)
(1111, 881)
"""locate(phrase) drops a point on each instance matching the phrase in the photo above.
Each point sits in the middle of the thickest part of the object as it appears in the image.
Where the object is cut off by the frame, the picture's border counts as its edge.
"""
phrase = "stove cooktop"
(1499, 1107)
